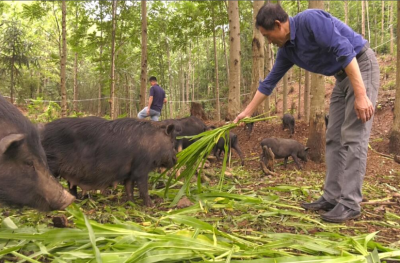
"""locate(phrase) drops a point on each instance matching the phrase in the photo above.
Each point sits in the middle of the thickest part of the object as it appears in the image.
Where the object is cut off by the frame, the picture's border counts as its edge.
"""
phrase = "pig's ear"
(306, 149)
(170, 129)
(10, 141)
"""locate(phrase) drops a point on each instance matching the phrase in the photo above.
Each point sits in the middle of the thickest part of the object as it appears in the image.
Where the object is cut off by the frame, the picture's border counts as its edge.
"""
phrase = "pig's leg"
(129, 189)
(285, 162)
(296, 160)
(143, 189)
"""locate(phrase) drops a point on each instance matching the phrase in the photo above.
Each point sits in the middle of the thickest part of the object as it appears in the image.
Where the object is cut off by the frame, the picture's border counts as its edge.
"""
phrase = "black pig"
(283, 148)
(232, 143)
(24, 174)
(94, 153)
(288, 122)
(188, 126)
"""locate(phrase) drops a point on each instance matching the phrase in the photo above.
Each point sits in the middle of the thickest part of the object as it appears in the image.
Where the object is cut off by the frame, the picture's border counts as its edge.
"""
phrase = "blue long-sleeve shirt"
(319, 43)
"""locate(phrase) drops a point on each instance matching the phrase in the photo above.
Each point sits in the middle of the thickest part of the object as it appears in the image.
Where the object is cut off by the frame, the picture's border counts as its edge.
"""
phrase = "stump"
(196, 109)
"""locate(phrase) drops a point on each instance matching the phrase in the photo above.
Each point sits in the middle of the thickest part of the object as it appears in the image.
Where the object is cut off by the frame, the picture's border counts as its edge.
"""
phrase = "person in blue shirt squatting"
(320, 43)
(156, 101)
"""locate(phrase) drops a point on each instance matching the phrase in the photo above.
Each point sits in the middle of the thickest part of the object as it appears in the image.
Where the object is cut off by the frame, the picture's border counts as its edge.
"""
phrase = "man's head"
(272, 21)
(153, 80)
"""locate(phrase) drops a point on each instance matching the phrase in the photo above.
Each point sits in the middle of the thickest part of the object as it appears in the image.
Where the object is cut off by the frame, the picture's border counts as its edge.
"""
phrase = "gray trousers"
(347, 137)
(154, 115)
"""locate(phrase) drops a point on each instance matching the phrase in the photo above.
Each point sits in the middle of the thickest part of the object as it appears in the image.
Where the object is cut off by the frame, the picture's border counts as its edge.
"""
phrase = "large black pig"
(24, 175)
(283, 148)
(188, 126)
(94, 153)
(232, 143)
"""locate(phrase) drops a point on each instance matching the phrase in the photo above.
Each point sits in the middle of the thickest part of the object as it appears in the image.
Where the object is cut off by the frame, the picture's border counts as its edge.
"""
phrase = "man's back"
(158, 97)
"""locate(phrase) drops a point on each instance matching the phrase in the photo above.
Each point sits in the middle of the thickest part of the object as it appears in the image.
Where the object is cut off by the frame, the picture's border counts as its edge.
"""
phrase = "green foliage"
(39, 112)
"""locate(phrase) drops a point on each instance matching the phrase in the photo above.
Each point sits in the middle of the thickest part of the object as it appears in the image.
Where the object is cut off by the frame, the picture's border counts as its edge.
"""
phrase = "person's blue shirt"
(158, 97)
(319, 43)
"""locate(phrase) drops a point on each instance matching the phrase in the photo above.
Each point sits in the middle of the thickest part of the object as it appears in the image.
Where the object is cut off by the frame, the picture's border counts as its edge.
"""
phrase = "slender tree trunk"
(391, 7)
(285, 93)
(12, 80)
(316, 139)
(268, 68)
(363, 18)
(394, 145)
(112, 88)
(369, 31)
(183, 104)
(64, 60)
(258, 55)
(225, 53)
(307, 96)
(375, 31)
(76, 66)
(383, 21)
(188, 76)
(143, 75)
(234, 60)
(101, 64)
(299, 102)
(216, 69)
(76, 82)
(170, 90)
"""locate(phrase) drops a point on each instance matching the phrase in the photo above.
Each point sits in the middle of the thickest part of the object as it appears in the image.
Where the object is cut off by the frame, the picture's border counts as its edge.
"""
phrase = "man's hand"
(148, 111)
(242, 115)
(364, 108)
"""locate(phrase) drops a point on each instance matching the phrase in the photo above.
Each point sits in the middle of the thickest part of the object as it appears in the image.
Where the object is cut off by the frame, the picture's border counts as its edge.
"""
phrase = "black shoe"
(340, 214)
(320, 204)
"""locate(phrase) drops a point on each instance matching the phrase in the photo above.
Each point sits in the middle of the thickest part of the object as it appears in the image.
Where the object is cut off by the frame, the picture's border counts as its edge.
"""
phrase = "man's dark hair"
(152, 78)
(268, 14)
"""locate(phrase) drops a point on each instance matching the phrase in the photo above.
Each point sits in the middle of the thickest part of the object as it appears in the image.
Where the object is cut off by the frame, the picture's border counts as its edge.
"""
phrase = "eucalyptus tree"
(258, 54)
(234, 60)
(15, 52)
(394, 145)
(316, 138)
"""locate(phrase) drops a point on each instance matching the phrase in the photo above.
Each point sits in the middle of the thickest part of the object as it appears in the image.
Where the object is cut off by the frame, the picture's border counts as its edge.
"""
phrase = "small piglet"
(283, 148)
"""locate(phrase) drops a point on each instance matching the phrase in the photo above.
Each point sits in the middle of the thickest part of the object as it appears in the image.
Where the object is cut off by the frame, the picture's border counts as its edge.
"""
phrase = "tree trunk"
(234, 60)
(64, 60)
(363, 18)
(218, 108)
(394, 145)
(285, 93)
(112, 88)
(12, 80)
(182, 80)
(316, 139)
(346, 12)
(76, 82)
(391, 26)
(143, 74)
(100, 91)
(225, 53)
(299, 102)
(258, 55)
(369, 31)
(307, 96)
(76, 66)
(382, 21)
(169, 82)
(375, 31)
(189, 76)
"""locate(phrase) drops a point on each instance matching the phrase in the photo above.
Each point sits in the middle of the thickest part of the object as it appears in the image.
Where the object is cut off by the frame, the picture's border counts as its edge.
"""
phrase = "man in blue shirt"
(156, 101)
(320, 43)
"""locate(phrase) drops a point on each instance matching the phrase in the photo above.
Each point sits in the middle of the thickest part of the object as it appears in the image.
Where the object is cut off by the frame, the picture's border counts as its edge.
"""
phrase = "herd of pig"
(94, 153)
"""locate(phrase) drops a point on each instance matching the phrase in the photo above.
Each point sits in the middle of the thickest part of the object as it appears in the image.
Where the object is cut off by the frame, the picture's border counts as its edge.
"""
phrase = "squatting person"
(156, 101)
(320, 43)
